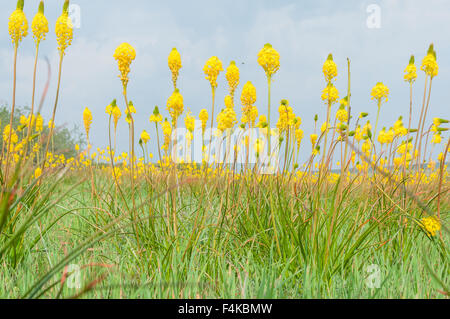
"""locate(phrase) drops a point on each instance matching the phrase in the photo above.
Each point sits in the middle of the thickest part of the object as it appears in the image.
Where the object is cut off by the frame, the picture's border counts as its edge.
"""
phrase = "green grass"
(226, 245)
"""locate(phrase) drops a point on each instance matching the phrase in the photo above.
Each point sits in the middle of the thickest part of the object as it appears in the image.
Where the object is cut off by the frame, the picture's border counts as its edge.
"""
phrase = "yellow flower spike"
(226, 119)
(6, 133)
(248, 95)
(429, 63)
(212, 69)
(380, 92)
(229, 103)
(410, 71)
(129, 111)
(18, 24)
(174, 62)
(145, 137)
(175, 104)
(189, 122)
(298, 136)
(39, 25)
(64, 29)
(87, 120)
(156, 117)
(124, 54)
(330, 94)
(232, 76)
(203, 116)
(329, 69)
(313, 138)
(431, 225)
(342, 114)
(269, 60)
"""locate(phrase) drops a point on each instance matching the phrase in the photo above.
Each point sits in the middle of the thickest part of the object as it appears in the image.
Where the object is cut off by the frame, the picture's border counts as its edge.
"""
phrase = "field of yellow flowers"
(254, 221)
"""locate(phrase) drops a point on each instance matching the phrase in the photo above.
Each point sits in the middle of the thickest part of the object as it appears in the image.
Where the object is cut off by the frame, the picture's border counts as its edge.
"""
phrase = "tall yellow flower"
(156, 117)
(39, 25)
(8, 131)
(330, 94)
(174, 61)
(248, 95)
(380, 92)
(39, 123)
(410, 71)
(124, 54)
(329, 69)
(232, 76)
(203, 116)
(212, 69)
(129, 111)
(226, 119)
(269, 60)
(429, 63)
(175, 105)
(145, 137)
(87, 119)
(431, 225)
(64, 29)
(18, 24)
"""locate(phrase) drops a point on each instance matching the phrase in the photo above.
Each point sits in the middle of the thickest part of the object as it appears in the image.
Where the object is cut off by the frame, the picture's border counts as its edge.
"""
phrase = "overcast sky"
(303, 32)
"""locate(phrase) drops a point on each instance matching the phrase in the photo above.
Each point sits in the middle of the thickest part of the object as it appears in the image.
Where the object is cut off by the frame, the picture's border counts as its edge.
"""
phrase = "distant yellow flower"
(6, 131)
(330, 94)
(342, 114)
(329, 68)
(129, 111)
(145, 137)
(87, 119)
(429, 64)
(39, 123)
(269, 60)
(64, 29)
(212, 69)
(313, 138)
(37, 172)
(175, 104)
(232, 76)
(156, 117)
(174, 61)
(124, 54)
(380, 92)
(18, 24)
(203, 116)
(431, 225)
(39, 25)
(436, 138)
(248, 95)
(226, 119)
(298, 136)
(189, 122)
(411, 71)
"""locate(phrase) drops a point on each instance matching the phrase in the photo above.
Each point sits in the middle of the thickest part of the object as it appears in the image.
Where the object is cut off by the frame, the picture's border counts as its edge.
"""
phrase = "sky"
(377, 36)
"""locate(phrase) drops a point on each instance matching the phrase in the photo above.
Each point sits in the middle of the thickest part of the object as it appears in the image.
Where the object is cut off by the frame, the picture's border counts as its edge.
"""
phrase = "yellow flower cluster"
(145, 137)
(399, 129)
(380, 92)
(6, 132)
(113, 110)
(298, 136)
(124, 54)
(429, 63)
(269, 59)
(431, 225)
(386, 137)
(175, 104)
(212, 69)
(156, 117)
(174, 65)
(410, 71)
(287, 116)
(248, 95)
(226, 119)
(167, 131)
(342, 114)
(18, 24)
(39, 25)
(229, 103)
(203, 116)
(232, 76)
(330, 93)
(64, 30)
(129, 111)
(329, 69)
(250, 114)
(87, 119)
